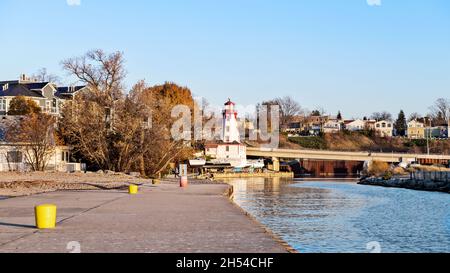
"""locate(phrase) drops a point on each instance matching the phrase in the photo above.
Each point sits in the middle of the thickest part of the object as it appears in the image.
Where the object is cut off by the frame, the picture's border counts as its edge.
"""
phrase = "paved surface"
(160, 219)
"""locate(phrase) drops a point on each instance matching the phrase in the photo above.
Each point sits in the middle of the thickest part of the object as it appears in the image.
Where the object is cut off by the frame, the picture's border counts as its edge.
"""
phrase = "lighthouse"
(230, 131)
(229, 150)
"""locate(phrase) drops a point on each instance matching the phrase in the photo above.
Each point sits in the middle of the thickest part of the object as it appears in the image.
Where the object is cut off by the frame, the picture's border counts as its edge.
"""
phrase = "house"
(70, 92)
(436, 132)
(355, 125)
(296, 126)
(370, 124)
(46, 94)
(13, 159)
(229, 149)
(332, 126)
(314, 124)
(384, 128)
(416, 130)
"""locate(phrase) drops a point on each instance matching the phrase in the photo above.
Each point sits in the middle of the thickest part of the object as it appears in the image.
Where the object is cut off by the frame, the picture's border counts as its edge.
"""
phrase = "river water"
(343, 217)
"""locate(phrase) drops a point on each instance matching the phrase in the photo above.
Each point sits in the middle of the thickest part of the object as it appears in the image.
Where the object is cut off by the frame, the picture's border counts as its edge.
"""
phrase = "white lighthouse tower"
(230, 131)
(229, 149)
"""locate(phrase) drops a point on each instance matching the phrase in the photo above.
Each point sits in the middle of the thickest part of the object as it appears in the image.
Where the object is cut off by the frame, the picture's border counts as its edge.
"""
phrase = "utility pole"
(428, 136)
(448, 123)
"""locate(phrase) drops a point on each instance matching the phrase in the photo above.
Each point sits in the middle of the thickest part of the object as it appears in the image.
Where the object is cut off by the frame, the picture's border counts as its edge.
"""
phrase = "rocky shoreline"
(407, 183)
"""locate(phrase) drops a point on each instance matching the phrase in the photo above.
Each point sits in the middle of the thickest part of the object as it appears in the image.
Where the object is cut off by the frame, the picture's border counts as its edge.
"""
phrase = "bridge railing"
(431, 176)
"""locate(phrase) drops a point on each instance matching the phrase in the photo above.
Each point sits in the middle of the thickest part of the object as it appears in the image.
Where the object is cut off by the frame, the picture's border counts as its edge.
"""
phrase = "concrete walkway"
(160, 219)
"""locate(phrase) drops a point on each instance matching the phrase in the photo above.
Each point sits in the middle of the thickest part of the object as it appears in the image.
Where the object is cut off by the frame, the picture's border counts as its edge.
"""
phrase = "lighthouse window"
(228, 148)
(228, 129)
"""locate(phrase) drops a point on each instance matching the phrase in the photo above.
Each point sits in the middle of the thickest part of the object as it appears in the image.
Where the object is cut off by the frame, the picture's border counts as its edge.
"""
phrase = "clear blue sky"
(339, 54)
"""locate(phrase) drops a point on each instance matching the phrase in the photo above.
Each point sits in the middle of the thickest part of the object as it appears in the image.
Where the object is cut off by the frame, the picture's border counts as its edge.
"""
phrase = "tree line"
(439, 114)
(108, 127)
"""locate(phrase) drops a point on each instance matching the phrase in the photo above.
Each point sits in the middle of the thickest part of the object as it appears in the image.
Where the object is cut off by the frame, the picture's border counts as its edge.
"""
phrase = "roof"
(68, 90)
(35, 85)
(229, 102)
(15, 90)
(10, 82)
(351, 121)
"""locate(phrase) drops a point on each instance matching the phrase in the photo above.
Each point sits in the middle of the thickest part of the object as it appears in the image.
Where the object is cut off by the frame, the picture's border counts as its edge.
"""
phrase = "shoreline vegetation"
(414, 177)
(363, 142)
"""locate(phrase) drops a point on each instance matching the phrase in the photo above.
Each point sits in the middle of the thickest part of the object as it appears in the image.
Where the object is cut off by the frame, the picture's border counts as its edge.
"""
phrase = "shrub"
(387, 175)
(378, 168)
(21, 106)
(317, 143)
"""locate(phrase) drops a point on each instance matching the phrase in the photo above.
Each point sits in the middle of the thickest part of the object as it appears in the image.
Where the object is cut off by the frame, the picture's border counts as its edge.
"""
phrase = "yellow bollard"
(133, 189)
(45, 216)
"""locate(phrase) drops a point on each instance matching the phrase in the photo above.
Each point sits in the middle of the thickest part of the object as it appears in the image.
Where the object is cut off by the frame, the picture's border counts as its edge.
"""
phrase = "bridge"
(277, 154)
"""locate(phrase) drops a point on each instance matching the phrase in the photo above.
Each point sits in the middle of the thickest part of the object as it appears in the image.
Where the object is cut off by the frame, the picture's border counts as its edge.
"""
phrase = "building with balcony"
(47, 95)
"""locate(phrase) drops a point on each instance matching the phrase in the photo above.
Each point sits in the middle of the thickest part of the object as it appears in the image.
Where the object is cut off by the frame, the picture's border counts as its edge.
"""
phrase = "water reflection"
(343, 217)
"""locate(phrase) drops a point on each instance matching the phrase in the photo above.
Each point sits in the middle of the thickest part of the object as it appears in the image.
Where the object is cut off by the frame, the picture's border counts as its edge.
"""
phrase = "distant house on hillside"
(384, 128)
(46, 94)
(416, 130)
(370, 124)
(436, 132)
(355, 125)
(332, 126)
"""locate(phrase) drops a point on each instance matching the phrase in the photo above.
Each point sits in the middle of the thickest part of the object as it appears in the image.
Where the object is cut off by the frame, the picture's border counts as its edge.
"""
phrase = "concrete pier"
(160, 219)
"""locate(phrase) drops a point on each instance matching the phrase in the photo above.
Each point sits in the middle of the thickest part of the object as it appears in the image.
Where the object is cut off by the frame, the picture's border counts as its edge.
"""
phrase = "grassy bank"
(351, 141)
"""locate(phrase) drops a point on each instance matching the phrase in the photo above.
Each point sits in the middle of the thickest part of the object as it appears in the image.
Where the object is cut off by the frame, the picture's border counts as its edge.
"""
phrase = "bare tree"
(289, 108)
(415, 116)
(42, 75)
(117, 132)
(378, 116)
(83, 125)
(103, 73)
(440, 111)
(35, 137)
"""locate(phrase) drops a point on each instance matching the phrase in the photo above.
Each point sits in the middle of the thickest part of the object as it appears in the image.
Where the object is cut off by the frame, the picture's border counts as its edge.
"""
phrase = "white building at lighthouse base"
(234, 154)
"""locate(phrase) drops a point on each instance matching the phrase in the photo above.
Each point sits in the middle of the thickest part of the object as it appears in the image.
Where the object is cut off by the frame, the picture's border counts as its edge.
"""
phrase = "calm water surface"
(332, 216)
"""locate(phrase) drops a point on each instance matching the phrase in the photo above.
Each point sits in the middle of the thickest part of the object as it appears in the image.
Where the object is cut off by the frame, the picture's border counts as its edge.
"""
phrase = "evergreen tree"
(315, 113)
(401, 125)
(339, 115)
(21, 106)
